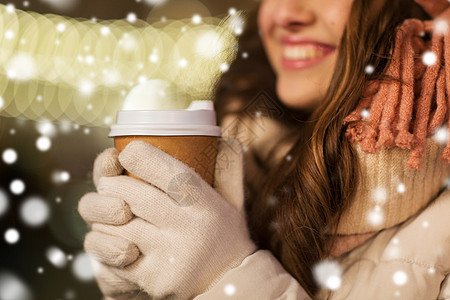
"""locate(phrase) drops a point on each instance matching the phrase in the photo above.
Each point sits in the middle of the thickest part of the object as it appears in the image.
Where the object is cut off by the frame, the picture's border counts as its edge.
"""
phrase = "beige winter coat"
(410, 260)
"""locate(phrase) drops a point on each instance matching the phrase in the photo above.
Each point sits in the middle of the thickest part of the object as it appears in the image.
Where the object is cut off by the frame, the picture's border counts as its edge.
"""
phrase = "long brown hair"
(316, 184)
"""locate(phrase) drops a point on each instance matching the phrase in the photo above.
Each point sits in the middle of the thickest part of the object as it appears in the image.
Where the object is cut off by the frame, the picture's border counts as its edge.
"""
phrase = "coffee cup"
(190, 135)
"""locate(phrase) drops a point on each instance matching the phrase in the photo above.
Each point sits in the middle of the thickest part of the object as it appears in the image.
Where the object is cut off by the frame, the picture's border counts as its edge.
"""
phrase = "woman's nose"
(293, 14)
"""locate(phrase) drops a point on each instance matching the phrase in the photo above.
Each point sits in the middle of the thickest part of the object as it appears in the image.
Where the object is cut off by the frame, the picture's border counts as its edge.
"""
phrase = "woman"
(370, 194)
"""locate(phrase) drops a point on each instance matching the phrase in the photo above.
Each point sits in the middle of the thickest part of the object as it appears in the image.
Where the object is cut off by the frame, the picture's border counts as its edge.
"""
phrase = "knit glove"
(170, 234)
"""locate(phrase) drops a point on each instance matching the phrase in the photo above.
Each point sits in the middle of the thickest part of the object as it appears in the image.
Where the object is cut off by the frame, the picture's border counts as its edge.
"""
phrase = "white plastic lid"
(198, 119)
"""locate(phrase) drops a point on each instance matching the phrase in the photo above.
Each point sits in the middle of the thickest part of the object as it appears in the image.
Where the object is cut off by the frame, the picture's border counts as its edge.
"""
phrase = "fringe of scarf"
(391, 113)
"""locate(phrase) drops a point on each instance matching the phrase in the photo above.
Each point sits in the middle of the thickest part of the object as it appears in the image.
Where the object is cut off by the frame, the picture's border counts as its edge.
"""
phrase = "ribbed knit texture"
(389, 192)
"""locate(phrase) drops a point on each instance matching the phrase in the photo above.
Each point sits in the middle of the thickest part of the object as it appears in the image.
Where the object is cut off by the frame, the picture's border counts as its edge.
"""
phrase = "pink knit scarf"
(396, 116)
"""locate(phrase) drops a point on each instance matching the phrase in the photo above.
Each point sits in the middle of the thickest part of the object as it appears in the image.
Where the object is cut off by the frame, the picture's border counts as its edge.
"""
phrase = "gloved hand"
(169, 234)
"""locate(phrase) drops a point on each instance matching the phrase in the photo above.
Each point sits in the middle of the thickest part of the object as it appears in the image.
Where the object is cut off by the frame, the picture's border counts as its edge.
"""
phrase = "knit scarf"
(404, 113)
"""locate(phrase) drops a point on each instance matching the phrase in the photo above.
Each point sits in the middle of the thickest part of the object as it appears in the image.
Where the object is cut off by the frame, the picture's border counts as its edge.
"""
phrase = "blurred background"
(66, 67)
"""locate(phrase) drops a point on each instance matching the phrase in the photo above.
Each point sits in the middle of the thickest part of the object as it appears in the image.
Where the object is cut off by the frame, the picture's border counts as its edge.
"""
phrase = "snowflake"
(376, 216)
(369, 69)
(43, 143)
(17, 186)
(328, 274)
(21, 66)
(12, 236)
(230, 289)
(224, 67)
(9, 156)
(400, 278)
(429, 58)
(131, 17)
(34, 212)
(56, 256)
(196, 19)
(401, 189)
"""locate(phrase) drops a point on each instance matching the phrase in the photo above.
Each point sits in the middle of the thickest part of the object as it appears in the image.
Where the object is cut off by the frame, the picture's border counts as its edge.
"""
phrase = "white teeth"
(301, 52)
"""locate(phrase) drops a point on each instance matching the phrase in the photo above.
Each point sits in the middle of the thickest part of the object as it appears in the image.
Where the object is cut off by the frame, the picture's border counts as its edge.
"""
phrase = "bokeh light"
(13, 288)
(328, 274)
(12, 236)
(9, 156)
(43, 143)
(17, 186)
(4, 202)
(83, 267)
(400, 278)
(34, 211)
(79, 71)
(56, 257)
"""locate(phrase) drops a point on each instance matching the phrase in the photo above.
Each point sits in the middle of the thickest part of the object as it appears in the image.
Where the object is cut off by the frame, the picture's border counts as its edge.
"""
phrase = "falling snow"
(89, 59)
(400, 278)
(429, 58)
(401, 188)
(196, 19)
(83, 267)
(12, 236)
(21, 67)
(61, 27)
(60, 176)
(34, 212)
(230, 289)
(10, 8)
(272, 200)
(13, 288)
(224, 67)
(46, 128)
(9, 34)
(365, 113)
(375, 217)
(131, 17)
(105, 30)
(441, 135)
(441, 26)
(128, 42)
(155, 2)
(209, 44)
(232, 11)
(236, 24)
(56, 257)
(183, 63)
(4, 202)
(86, 87)
(379, 195)
(369, 69)
(328, 274)
(43, 143)
(61, 5)
(17, 186)
(9, 156)
(153, 57)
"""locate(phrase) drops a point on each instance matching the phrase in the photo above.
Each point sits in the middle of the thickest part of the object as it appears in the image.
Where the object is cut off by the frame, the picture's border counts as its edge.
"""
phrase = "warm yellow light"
(66, 69)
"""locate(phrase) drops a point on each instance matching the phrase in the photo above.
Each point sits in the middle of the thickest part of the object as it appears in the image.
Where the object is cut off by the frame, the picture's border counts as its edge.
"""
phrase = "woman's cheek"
(264, 20)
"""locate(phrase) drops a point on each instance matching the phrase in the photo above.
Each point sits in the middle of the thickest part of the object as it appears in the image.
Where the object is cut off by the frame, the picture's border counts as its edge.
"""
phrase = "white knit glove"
(170, 234)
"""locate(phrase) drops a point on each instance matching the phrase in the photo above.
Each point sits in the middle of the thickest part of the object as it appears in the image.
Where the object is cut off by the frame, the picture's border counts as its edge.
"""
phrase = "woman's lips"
(299, 53)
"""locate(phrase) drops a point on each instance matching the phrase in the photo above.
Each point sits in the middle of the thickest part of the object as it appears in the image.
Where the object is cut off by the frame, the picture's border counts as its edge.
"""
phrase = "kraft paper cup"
(189, 135)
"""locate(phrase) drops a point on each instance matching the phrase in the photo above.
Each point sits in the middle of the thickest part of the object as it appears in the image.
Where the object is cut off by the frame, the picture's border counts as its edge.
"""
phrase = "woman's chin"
(294, 98)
